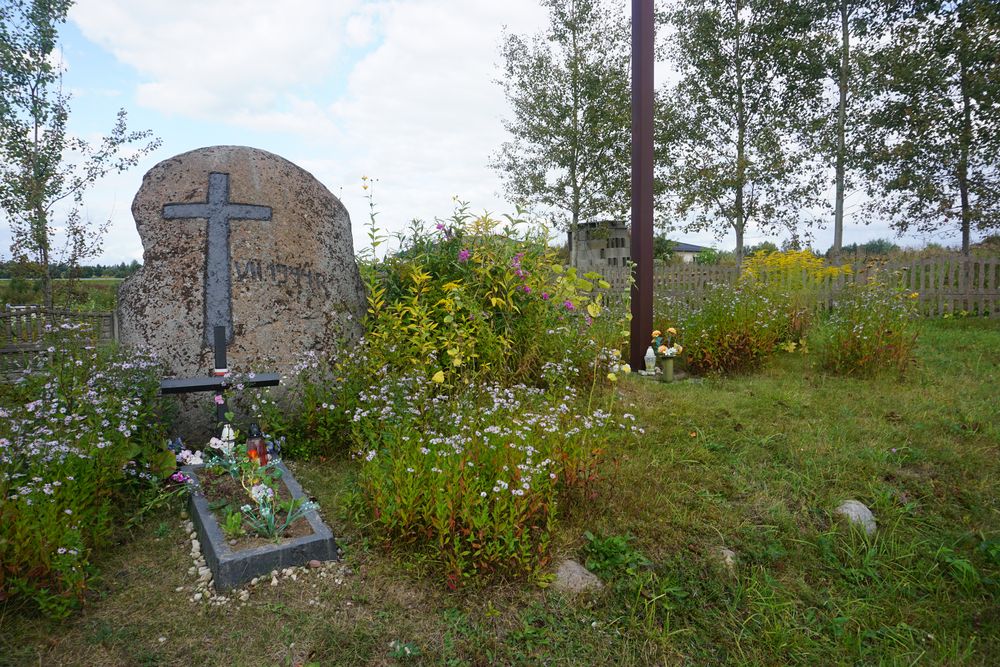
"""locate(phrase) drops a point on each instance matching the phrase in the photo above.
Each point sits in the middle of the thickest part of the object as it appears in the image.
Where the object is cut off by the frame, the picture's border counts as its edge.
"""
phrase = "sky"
(401, 91)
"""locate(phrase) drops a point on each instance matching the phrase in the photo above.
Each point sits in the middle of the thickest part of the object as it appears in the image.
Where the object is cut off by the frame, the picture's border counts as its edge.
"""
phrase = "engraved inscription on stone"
(302, 277)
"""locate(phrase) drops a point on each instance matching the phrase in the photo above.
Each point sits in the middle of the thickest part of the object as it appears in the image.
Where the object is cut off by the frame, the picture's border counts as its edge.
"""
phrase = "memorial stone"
(240, 238)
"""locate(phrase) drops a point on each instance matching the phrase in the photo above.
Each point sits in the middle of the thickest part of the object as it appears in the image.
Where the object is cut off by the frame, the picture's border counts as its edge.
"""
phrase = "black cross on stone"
(218, 211)
(219, 382)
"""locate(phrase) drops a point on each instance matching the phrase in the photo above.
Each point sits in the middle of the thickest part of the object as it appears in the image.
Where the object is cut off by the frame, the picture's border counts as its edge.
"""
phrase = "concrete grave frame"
(232, 568)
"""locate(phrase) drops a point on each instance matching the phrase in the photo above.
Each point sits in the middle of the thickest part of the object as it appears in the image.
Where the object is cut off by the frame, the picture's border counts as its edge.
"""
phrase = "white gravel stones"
(204, 591)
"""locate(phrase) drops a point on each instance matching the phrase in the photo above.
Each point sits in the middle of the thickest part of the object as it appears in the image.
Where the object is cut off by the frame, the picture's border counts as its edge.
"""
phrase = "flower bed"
(234, 565)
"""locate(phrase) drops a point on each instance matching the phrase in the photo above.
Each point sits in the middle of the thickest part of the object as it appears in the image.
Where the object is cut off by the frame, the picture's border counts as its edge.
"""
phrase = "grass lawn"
(755, 464)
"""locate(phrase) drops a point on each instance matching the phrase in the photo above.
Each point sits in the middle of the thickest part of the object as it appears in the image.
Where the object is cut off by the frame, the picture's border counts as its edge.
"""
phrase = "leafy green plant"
(961, 569)
(872, 327)
(613, 555)
(232, 525)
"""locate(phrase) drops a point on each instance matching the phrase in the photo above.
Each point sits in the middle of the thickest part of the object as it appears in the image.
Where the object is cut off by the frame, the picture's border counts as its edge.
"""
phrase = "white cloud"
(205, 58)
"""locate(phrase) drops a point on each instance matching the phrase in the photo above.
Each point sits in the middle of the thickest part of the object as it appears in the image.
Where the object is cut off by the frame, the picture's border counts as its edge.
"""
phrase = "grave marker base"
(232, 568)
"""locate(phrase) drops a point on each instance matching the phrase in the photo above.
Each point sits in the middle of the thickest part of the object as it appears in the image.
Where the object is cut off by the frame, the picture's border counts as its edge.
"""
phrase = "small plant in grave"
(242, 483)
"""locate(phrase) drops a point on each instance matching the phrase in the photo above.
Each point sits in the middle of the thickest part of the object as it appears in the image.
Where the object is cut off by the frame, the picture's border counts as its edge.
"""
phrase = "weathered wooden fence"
(24, 332)
(943, 284)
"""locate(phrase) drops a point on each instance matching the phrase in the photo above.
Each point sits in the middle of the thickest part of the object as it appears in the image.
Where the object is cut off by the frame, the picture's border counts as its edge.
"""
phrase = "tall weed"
(872, 327)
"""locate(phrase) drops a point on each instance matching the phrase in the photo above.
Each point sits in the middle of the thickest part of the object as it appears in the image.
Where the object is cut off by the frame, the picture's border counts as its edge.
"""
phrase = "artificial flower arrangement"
(665, 344)
(242, 483)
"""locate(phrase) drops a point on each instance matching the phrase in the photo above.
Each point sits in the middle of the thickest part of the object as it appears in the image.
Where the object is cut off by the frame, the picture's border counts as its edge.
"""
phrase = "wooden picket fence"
(950, 284)
(23, 333)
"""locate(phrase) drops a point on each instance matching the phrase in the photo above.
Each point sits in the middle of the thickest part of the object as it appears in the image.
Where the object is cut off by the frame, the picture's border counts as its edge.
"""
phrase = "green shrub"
(478, 344)
(477, 301)
(871, 327)
(82, 434)
(733, 330)
(793, 279)
(311, 413)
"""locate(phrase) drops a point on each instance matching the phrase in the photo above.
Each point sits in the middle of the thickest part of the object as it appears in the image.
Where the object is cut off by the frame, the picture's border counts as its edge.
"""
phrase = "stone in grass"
(857, 514)
(571, 577)
(726, 558)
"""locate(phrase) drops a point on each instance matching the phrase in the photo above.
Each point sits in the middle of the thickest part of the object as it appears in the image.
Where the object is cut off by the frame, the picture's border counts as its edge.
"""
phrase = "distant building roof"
(687, 247)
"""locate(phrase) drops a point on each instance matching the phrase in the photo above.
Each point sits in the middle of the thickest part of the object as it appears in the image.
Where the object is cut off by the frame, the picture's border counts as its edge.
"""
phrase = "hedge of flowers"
(733, 330)
(474, 475)
(80, 436)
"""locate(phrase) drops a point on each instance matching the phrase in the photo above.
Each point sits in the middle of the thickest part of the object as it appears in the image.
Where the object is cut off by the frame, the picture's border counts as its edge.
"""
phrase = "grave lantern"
(256, 446)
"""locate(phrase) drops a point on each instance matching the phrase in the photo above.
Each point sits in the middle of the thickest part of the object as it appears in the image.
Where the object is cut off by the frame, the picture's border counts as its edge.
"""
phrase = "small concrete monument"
(239, 238)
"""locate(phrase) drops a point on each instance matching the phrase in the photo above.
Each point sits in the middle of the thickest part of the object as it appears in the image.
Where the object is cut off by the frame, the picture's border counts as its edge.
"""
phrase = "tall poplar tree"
(857, 24)
(570, 132)
(933, 133)
(750, 85)
(37, 165)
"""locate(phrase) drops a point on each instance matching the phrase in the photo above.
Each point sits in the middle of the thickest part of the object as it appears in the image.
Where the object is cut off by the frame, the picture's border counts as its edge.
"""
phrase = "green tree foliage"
(570, 132)
(41, 164)
(873, 247)
(933, 133)
(763, 247)
(663, 248)
(750, 82)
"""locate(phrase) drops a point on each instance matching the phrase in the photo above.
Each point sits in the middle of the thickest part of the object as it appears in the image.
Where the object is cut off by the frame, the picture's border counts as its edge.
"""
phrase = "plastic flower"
(626, 369)
(662, 349)
(612, 377)
(672, 331)
(261, 492)
(656, 333)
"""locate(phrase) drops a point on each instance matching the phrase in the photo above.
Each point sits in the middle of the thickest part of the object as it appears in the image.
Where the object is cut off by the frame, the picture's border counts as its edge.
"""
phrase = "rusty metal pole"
(642, 180)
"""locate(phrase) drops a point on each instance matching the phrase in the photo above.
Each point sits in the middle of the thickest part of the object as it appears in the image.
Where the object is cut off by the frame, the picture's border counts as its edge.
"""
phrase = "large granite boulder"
(241, 238)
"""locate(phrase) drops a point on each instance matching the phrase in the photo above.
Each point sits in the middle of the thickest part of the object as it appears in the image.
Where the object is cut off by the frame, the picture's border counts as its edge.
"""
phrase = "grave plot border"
(232, 568)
